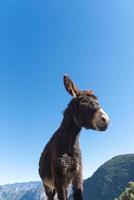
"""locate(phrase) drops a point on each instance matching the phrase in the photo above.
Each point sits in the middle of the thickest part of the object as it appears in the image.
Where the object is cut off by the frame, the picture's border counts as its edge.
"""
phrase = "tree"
(128, 193)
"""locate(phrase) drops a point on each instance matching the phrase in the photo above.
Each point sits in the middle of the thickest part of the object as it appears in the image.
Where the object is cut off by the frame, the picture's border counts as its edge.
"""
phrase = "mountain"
(110, 179)
(22, 191)
(107, 183)
(25, 191)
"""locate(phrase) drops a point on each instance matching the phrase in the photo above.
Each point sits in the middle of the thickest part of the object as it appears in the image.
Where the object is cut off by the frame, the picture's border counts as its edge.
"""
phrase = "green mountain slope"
(110, 179)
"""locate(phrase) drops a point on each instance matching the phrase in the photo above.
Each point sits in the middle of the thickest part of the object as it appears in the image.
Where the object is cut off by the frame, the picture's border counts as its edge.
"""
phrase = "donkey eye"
(94, 106)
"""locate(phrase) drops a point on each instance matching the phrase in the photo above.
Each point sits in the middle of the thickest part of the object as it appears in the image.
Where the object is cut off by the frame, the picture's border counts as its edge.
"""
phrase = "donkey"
(60, 162)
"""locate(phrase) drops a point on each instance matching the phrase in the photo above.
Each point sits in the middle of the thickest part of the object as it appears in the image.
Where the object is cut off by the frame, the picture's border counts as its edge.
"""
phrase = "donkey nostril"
(103, 119)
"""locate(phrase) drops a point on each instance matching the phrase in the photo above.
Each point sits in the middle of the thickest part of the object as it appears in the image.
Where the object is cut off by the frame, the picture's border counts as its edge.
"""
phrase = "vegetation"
(128, 194)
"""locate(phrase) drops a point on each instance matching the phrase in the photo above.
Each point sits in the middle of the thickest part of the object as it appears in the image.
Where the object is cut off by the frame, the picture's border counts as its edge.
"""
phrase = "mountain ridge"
(110, 179)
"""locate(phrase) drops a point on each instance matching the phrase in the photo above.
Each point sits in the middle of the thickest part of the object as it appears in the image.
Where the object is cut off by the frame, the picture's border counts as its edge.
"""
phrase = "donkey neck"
(71, 133)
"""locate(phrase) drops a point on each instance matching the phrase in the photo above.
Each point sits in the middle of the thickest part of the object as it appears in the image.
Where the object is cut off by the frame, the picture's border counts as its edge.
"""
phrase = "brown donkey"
(60, 163)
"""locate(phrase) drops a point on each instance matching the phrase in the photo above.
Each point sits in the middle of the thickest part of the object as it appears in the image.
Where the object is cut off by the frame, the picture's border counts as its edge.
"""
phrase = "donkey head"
(86, 108)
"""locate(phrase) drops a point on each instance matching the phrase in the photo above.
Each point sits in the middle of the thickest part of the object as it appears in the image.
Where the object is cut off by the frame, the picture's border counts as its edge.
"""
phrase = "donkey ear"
(70, 86)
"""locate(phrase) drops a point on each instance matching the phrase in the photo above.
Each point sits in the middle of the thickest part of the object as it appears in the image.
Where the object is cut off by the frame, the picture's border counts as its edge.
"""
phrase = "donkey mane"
(69, 111)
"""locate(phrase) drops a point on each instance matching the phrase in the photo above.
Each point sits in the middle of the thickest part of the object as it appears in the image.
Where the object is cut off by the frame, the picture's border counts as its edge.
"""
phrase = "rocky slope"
(22, 191)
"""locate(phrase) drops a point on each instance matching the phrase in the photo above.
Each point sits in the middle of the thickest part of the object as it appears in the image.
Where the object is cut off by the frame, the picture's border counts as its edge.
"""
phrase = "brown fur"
(60, 162)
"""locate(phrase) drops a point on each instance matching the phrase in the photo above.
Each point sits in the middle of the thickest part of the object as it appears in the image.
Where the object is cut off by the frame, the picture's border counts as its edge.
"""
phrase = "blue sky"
(93, 42)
